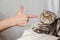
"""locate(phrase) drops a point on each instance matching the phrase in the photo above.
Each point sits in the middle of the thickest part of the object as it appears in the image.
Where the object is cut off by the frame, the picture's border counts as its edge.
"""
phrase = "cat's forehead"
(46, 11)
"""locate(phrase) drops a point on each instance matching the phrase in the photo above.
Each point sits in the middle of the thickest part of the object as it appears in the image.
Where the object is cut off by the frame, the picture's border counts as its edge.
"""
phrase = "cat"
(48, 24)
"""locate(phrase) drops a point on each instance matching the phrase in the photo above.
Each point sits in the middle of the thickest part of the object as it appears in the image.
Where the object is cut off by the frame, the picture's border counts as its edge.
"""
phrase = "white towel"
(29, 34)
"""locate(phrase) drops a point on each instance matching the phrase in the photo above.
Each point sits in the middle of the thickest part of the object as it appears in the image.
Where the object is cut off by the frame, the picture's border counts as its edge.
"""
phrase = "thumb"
(20, 10)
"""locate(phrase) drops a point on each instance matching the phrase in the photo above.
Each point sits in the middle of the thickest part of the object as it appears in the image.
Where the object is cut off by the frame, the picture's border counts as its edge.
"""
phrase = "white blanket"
(31, 35)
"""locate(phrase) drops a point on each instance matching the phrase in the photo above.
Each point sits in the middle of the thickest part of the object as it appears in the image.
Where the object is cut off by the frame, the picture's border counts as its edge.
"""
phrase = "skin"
(19, 19)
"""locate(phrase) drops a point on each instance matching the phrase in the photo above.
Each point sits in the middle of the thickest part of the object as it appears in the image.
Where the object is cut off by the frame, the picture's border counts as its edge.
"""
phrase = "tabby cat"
(49, 24)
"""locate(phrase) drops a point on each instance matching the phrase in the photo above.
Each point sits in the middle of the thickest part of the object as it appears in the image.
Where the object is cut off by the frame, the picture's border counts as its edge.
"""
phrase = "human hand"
(22, 19)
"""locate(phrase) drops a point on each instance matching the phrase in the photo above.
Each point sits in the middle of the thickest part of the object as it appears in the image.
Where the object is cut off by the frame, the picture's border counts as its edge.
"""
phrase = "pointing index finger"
(32, 16)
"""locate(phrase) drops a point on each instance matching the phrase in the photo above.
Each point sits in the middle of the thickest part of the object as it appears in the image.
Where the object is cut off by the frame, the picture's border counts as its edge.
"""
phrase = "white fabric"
(31, 35)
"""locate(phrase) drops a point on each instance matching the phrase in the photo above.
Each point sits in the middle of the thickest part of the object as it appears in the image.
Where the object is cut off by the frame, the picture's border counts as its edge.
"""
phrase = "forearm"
(7, 23)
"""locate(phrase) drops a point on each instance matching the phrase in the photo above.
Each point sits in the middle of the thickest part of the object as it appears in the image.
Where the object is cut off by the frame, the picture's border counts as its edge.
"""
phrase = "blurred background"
(8, 8)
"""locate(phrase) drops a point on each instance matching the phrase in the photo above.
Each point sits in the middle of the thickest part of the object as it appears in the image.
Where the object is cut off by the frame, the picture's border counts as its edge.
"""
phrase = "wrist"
(14, 21)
